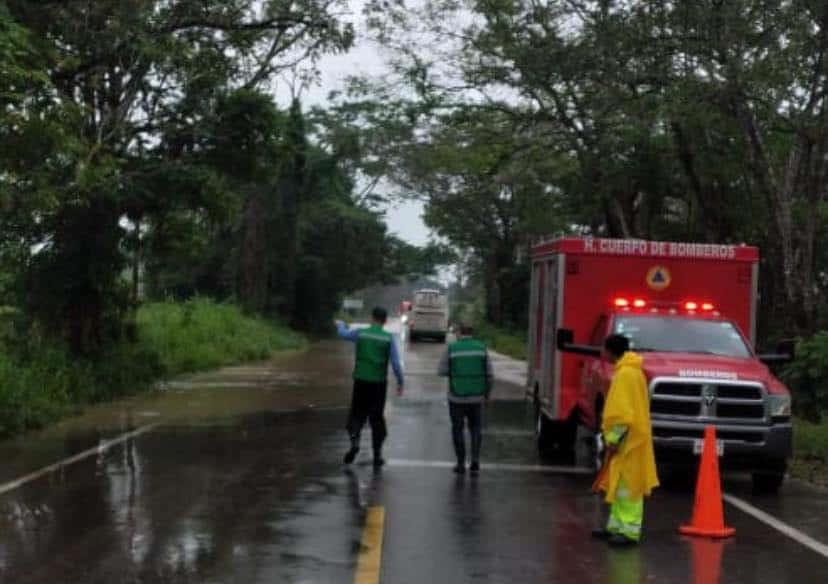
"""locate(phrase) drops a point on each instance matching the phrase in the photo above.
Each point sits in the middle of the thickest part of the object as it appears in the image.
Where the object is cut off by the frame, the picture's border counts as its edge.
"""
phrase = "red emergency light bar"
(690, 305)
(693, 306)
(625, 303)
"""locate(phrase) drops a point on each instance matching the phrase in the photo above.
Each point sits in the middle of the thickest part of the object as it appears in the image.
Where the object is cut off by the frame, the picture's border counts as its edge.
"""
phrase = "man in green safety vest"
(467, 365)
(375, 349)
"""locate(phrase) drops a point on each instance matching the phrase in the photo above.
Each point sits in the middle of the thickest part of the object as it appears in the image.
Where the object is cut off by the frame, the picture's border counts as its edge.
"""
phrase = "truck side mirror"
(565, 337)
(565, 344)
(785, 353)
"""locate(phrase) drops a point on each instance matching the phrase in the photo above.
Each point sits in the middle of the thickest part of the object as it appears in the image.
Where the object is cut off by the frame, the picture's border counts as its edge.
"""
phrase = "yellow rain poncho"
(628, 405)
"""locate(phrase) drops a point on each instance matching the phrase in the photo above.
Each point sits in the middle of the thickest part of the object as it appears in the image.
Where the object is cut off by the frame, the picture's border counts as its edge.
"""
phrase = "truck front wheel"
(768, 483)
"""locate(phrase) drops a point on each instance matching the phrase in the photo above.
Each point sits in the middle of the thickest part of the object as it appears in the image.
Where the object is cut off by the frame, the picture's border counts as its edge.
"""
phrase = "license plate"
(698, 444)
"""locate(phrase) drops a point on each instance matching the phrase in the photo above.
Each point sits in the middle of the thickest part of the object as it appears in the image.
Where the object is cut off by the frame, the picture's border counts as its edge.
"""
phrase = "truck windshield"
(681, 335)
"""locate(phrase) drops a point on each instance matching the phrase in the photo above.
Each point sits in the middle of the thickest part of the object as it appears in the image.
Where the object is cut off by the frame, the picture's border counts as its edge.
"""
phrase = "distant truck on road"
(429, 315)
(690, 310)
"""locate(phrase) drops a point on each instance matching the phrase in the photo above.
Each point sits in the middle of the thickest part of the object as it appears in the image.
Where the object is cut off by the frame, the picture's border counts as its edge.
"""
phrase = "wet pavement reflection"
(242, 482)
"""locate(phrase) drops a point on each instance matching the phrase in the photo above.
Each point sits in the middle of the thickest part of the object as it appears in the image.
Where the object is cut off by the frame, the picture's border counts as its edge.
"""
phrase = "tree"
(130, 85)
(692, 120)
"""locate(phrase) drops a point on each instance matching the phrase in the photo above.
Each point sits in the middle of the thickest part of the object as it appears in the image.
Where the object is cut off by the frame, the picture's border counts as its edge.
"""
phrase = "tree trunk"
(494, 313)
(81, 275)
(136, 265)
(252, 276)
(796, 278)
(289, 189)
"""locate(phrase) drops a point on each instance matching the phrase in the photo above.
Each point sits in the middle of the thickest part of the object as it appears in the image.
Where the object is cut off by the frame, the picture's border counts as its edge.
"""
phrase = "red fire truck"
(690, 310)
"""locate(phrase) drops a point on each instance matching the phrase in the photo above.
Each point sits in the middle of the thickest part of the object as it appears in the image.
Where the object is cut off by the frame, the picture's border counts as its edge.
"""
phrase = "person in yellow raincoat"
(628, 436)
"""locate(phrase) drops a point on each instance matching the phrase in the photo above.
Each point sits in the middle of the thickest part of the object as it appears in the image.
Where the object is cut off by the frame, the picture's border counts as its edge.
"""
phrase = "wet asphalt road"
(237, 478)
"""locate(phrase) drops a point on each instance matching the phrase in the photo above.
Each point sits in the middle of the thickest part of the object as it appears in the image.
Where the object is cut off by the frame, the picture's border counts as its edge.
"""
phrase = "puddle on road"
(311, 380)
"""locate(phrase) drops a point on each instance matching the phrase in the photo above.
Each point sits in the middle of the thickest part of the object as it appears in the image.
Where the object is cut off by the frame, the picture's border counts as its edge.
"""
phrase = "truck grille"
(707, 400)
(752, 437)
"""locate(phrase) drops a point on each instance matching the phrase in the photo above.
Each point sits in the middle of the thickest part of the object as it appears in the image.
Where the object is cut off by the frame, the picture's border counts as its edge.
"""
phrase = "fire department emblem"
(658, 278)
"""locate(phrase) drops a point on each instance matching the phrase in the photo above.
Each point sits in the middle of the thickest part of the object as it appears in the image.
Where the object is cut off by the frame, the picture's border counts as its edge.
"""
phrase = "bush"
(811, 441)
(807, 377)
(42, 384)
(511, 343)
(200, 334)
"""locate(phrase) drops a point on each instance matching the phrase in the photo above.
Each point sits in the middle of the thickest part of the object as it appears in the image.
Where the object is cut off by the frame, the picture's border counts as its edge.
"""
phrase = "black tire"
(412, 337)
(768, 483)
(556, 440)
(543, 432)
(441, 338)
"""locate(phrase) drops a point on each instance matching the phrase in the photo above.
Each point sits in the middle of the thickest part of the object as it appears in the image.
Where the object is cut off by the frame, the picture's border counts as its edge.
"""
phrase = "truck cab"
(700, 370)
(690, 310)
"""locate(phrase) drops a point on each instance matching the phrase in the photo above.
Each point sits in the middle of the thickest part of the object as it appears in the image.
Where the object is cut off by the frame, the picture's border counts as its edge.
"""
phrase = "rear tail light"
(707, 307)
(638, 303)
(622, 303)
(691, 306)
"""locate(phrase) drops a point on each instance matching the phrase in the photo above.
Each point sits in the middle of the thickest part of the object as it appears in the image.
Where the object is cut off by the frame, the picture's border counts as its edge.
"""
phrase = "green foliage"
(412, 262)
(508, 341)
(699, 121)
(200, 334)
(106, 112)
(807, 378)
(41, 383)
(811, 441)
(810, 460)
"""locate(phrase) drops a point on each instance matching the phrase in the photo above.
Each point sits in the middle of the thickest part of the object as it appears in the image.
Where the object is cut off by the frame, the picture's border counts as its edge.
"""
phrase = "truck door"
(550, 357)
(538, 306)
(593, 371)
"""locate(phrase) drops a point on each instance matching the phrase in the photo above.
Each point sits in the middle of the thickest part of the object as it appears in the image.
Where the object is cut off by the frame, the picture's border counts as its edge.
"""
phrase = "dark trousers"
(368, 403)
(459, 414)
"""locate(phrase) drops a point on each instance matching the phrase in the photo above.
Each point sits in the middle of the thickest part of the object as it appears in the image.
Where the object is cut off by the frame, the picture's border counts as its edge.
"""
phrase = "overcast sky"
(365, 57)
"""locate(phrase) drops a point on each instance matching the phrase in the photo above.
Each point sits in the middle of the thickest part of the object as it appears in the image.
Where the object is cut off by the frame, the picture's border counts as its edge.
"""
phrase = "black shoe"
(351, 455)
(475, 468)
(601, 533)
(618, 540)
(378, 462)
(459, 468)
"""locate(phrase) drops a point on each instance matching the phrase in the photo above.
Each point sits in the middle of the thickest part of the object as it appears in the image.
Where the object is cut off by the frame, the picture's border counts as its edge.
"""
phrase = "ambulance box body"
(690, 310)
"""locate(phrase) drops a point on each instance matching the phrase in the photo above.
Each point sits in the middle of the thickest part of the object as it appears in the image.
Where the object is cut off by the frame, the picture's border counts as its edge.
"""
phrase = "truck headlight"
(780, 406)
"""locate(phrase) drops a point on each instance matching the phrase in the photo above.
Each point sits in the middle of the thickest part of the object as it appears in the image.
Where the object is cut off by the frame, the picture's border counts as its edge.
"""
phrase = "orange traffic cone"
(708, 515)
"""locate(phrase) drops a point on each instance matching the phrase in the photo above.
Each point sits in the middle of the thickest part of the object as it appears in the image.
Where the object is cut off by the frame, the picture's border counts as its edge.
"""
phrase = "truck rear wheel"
(556, 440)
(768, 483)
(543, 434)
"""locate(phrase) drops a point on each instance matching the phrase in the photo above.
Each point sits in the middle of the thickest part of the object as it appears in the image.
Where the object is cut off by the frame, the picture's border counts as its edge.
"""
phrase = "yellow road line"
(370, 553)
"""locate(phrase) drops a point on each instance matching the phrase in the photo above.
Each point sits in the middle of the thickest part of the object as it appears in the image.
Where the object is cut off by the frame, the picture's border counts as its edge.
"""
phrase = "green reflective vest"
(373, 351)
(467, 368)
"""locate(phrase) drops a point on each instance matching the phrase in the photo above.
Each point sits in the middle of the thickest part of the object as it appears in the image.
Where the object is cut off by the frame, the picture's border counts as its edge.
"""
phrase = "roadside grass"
(199, 335)
(810, 460)
(173, 338)
(503, 341)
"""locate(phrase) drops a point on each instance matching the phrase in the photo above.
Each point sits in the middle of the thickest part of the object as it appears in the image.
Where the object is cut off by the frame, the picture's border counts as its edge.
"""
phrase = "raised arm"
(346, 333)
